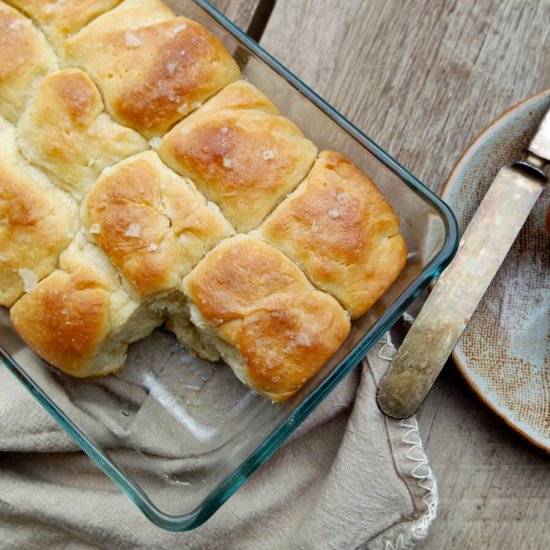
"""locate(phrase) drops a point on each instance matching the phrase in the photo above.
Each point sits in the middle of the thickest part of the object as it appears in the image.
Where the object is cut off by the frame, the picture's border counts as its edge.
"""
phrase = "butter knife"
(460, 288)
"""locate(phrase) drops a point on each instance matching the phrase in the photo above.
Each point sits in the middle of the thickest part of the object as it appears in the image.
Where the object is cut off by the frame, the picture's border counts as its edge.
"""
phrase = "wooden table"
(423, 78)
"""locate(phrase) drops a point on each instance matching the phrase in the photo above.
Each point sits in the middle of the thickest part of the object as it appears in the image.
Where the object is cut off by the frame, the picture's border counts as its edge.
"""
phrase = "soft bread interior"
(111, 354)
(129, 319)
(178, 320)
(228, 353)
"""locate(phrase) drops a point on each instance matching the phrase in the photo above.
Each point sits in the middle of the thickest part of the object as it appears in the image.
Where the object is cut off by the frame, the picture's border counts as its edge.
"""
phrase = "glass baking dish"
(179, 435)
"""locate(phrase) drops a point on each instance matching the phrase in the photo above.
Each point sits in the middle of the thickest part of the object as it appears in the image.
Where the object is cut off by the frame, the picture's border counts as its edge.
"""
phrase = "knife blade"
(460, 288)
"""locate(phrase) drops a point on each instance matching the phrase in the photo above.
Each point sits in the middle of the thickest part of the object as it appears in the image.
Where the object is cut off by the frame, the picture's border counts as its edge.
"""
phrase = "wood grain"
(420, 77)
(423, 78)
(241, 12)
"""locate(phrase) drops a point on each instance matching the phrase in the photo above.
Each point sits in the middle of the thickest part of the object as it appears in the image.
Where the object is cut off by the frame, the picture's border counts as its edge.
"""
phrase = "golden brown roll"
(59, 19)
(152, 248)
(25, 56)
(343, 233)
(80, 319)
(152, 223)
(240, 153)
(151, 67)
(37, 221)
(269, 323)
(65, 131)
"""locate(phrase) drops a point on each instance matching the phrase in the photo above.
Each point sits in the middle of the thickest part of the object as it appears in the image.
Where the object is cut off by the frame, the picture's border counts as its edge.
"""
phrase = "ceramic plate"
(504, 353)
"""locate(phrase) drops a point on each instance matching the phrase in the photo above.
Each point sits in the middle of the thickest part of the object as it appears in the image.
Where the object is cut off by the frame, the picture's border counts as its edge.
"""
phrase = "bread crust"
(72, 311)
(152, 223)
(240, 153)
(66, 132)
(152, 68)
(80, 318)
(59, 20)
(256, 300)
(342, 231)
(25, 57)
(38, 221)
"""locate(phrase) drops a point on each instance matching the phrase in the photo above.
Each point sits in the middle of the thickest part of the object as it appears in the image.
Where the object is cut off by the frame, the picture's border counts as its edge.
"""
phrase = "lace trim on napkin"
(421, 472)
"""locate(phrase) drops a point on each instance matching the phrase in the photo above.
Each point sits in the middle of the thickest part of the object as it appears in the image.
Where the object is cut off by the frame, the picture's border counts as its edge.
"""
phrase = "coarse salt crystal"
(289, 348)
(196, 105)
(224, 130)
(3, 257)
(15, 25)
(334, 213)
(343, 197)
(303, 339)
(227, 163)
(132, 40)
(178, 28)
(171, 68)
(154, 142)
(134, 230)
(95, 228)
(314, 227)
(269, 154)
(29, 279)
(276, 379)
(153, 247)
(183, 108)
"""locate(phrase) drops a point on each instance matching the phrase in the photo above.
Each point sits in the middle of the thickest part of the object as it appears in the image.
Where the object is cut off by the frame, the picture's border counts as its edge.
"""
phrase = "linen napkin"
(348, 478)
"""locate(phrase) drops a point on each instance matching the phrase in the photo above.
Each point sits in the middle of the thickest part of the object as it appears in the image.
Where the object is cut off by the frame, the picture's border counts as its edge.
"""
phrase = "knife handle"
(459, 290)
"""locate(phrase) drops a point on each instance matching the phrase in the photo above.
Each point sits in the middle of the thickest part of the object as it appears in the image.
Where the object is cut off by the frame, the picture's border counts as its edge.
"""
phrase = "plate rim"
(448, 186)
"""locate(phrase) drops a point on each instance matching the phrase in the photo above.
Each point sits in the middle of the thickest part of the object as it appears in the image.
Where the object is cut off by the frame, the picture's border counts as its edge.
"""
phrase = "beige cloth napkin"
(348, 478)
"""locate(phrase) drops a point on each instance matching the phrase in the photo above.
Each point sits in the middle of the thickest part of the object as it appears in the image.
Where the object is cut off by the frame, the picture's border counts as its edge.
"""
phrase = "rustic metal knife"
(461, 287)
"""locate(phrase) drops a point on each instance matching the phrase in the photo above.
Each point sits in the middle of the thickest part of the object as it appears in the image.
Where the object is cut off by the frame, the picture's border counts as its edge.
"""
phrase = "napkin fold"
(348, 478)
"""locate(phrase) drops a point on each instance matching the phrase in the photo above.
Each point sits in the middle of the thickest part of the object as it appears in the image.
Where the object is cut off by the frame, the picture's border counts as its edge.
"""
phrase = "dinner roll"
(25, 56)
(151, 223)
(268, 322)
(342, 231)
(58, 19)
(240, 153)
(151, 67)
(65, 131)
(37, 221)
(124, 177)
(80, 319)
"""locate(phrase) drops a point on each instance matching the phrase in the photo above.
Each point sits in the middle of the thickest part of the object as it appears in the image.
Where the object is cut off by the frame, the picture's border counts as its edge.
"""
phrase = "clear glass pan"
(179, 435)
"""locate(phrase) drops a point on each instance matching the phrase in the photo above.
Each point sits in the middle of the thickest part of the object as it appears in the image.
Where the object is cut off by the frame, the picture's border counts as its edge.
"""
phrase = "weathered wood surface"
(423, 78)
(241, 12)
